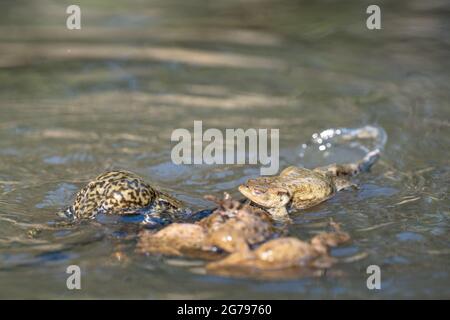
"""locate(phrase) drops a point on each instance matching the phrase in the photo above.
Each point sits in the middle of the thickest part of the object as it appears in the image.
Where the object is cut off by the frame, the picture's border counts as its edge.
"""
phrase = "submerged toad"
(299, 188)
(286, 252)
(232, 227)
(121, 192)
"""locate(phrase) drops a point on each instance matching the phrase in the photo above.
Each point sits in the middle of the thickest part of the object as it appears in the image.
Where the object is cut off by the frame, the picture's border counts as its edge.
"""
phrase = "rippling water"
(76, 103)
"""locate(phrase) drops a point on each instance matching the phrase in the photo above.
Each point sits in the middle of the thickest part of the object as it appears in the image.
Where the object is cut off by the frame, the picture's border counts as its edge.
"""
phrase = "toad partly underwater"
(122, 193)
(245, 239)
(232, 227)
(284, 253)
(300, 188)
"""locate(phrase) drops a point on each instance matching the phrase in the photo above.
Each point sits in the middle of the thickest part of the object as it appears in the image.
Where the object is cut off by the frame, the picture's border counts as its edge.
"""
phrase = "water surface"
(76, 103)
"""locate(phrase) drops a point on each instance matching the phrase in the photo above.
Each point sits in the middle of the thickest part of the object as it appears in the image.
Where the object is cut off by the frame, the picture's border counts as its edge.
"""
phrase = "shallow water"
(76, 103)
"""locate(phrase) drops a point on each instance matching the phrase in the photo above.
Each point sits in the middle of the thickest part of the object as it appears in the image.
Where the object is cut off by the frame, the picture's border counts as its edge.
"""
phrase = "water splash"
(366, 139)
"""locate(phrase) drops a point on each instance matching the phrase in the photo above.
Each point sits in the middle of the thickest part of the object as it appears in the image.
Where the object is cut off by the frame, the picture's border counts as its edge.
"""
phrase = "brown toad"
(286, 252)
(299, 188)
(230, 228)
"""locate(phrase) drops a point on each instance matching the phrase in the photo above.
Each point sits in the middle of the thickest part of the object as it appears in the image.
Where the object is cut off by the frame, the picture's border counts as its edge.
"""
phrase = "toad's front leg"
(343, 183)
(279, 213)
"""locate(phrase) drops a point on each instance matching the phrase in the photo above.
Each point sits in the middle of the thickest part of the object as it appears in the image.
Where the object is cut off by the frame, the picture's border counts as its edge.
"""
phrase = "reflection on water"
(76, 103)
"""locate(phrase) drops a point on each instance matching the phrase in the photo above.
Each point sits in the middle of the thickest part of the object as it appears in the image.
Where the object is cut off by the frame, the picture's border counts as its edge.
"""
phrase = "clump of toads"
(237, 238)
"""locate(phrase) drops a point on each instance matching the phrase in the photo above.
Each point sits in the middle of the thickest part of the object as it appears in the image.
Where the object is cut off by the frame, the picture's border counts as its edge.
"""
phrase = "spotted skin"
(121, 192)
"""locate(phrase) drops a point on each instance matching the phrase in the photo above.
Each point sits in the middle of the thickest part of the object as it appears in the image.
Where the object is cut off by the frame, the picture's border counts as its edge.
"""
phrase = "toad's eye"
(258, 192)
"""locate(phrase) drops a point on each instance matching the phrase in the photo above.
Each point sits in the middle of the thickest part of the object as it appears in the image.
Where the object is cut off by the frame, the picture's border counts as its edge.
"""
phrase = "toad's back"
(307, 187)
(112, 192)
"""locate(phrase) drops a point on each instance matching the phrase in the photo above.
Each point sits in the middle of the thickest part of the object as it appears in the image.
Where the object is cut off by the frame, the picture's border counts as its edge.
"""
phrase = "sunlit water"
(76, 103)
